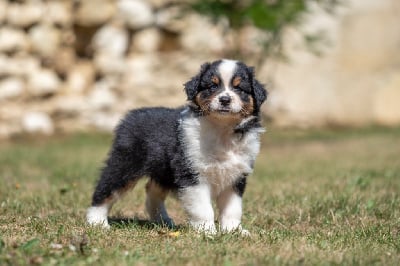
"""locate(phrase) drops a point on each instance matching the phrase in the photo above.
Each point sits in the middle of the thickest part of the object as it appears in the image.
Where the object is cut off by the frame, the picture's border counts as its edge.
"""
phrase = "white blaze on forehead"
(226, 69)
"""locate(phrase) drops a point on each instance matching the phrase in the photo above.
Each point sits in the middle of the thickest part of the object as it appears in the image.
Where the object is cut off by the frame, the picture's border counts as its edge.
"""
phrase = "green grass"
(315, 198)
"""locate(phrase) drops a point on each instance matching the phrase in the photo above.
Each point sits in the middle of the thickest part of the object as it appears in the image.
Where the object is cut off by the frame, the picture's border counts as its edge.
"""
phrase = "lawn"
(316, 197)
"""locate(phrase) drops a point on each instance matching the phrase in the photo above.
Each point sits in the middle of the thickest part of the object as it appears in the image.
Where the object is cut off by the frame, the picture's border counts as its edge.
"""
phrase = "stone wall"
(77, 65)
(355, 81)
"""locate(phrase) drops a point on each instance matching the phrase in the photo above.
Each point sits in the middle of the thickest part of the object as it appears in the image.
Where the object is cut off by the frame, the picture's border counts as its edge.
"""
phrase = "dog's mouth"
(224, 110)
(226, 113)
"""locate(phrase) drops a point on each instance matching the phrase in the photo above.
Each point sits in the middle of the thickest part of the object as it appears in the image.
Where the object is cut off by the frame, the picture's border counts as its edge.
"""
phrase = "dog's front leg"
(229, 203)
(196, 201)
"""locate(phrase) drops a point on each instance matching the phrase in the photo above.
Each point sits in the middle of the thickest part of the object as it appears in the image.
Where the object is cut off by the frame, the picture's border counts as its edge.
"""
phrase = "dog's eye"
(213, 86)
(239, 90)
(243, 88)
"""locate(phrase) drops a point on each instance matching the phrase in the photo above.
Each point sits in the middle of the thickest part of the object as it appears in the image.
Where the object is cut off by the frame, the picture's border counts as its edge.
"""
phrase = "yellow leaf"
(174, 234)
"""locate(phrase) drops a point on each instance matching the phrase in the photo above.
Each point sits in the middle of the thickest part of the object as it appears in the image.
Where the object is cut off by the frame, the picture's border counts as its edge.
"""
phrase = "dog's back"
(147, 130)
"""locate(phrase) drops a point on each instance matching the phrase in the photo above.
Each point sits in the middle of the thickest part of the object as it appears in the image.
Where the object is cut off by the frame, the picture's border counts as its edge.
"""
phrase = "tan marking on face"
(215, 79)
(203, 103)
(248, 108)
(236, 81)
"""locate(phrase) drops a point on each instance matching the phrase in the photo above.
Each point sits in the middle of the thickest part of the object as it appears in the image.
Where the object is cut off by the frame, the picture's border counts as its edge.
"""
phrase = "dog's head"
(226, 87)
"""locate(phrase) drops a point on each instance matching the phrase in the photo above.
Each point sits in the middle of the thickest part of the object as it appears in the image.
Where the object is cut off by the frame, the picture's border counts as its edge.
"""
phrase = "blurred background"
(68, 66)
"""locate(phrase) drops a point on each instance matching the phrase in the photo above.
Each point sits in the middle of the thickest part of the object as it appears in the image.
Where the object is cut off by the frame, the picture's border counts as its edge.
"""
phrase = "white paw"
(229, 225)
(233, 225)
(206, 227)
(239, 230)
(97, 216)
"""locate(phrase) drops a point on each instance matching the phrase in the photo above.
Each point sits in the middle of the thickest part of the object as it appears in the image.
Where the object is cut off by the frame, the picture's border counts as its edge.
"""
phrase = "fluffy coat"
(200, 152)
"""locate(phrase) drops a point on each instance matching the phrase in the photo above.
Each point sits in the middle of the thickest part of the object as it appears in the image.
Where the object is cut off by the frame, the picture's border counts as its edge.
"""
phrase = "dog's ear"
(192, 86)
(259, 92)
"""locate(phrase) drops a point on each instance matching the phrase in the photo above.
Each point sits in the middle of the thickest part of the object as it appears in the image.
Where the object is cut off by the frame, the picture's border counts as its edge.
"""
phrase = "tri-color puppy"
(200, 152)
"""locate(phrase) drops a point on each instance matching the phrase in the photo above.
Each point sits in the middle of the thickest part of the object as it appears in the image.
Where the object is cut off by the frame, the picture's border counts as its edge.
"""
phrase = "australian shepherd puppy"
(200, 152)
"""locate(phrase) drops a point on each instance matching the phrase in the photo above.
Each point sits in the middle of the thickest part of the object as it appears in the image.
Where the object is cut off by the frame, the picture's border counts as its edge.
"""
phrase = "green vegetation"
(321, 197)
(271, 17)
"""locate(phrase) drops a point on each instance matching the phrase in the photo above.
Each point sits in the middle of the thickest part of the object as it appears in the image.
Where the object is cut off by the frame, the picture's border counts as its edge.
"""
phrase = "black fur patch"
(146, 144)
(245, 127)
(240, 185)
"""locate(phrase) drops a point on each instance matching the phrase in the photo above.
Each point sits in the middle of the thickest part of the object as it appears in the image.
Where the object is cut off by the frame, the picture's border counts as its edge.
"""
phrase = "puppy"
(200, 152)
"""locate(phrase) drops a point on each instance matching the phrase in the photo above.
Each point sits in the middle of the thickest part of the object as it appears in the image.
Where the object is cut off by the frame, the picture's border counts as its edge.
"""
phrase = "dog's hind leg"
(115, 180)
(155, 197)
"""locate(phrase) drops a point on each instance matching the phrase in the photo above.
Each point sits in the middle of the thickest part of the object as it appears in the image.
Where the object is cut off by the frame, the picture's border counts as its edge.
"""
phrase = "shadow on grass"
(120, 222)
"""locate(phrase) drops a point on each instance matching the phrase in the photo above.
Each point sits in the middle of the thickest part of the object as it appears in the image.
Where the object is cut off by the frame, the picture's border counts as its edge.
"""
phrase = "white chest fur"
(217, 154)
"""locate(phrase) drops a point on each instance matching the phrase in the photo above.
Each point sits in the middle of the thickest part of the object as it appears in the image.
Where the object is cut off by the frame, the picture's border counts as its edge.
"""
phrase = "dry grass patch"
(321, 197)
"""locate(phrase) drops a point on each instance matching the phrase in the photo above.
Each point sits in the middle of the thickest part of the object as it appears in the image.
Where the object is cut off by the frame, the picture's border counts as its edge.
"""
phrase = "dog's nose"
(225, 100)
